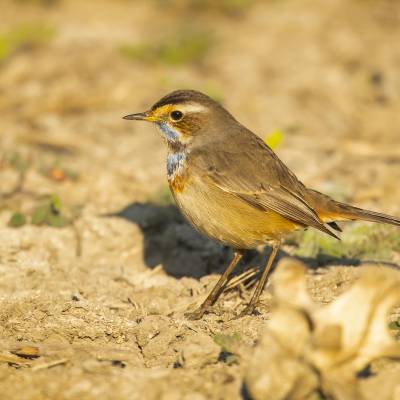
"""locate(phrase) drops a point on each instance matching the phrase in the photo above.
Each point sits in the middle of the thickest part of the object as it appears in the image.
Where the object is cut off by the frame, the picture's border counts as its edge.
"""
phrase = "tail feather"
(330, 210)
(354, 213)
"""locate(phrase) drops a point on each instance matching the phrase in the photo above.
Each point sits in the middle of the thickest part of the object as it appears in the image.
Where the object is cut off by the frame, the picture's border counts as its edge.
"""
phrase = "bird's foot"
(250, 309)
(197, 314)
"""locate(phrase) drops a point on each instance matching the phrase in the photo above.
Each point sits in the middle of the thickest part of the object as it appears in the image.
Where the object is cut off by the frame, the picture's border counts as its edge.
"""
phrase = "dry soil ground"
(103, 298)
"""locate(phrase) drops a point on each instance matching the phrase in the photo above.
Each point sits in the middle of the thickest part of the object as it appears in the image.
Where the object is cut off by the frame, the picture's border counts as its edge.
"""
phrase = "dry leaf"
(309, 348)
(29, 352)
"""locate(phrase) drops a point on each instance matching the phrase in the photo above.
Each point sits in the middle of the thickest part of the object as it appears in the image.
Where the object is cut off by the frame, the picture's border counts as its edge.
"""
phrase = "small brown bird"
(233, 188)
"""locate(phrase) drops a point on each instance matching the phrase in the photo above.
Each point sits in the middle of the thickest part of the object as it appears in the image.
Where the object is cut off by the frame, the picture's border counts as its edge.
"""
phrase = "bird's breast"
(225, 217)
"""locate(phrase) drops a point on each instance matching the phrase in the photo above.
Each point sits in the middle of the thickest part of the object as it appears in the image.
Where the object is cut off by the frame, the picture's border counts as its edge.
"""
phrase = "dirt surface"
(102, 298)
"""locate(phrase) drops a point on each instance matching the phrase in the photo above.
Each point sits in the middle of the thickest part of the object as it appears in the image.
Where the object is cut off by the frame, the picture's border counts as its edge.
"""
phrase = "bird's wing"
(255, 174)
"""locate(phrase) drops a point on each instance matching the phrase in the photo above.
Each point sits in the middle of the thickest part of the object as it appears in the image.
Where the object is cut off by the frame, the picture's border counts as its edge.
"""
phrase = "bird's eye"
(176, 115)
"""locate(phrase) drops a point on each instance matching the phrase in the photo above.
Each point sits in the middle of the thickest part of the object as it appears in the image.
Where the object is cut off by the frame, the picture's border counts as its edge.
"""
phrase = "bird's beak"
(138, 116)
(143, 116)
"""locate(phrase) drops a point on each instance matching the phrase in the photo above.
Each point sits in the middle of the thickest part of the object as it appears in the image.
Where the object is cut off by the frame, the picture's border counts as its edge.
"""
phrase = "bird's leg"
(218, 288)
(261, 283)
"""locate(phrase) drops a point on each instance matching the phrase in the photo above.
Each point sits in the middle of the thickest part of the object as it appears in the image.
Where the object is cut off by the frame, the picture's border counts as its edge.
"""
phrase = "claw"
(197, 314)
(249, 310)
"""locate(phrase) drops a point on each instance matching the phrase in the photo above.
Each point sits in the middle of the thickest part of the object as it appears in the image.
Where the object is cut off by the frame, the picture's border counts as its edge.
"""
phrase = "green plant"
(360, 240)
(17, 220)
(229, 7)
(39, 2)
(225, 7)
(274, 139)
(22, 36)
(48, 211)
(185, 46)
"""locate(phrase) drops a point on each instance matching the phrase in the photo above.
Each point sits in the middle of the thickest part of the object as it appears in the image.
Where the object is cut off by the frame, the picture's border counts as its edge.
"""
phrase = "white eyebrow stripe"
(191, 107)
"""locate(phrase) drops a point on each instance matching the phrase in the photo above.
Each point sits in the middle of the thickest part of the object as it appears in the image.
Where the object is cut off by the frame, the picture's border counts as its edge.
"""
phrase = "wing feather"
(255, 174)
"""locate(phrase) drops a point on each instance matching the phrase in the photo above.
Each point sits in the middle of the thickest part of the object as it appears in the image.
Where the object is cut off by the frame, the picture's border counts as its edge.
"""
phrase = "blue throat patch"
(177, 154)
(175, 162)
(170, 134)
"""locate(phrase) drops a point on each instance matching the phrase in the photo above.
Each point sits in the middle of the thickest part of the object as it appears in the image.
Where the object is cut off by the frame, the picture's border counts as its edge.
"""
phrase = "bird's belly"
(228, 219)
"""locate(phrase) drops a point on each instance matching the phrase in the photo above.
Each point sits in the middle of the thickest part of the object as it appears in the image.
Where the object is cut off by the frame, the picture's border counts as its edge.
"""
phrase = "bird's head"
(185, 117)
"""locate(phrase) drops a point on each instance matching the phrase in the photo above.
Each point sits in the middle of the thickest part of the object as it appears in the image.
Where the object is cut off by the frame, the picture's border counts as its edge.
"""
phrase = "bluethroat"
(233, 188)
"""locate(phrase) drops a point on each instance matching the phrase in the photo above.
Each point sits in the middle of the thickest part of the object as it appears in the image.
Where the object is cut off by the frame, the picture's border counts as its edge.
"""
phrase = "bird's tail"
(354, 213)
(330, 210)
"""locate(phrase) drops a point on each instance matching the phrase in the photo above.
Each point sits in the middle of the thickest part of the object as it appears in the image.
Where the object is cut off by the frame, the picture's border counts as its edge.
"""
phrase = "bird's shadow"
(170, 240)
